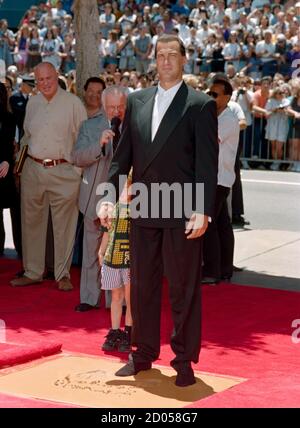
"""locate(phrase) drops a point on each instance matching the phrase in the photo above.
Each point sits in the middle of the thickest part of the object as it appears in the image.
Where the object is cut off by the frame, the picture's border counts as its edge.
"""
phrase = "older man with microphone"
(97, 140)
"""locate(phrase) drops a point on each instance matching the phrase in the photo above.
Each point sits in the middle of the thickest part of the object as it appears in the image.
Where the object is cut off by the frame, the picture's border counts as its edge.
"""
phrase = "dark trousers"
(15, 215)
(237, 202)
(219, 240)
(155, 251)
(260, 145)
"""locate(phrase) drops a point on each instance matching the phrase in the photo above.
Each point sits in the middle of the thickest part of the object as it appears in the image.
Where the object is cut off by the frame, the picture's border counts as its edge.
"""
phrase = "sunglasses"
(213, 94)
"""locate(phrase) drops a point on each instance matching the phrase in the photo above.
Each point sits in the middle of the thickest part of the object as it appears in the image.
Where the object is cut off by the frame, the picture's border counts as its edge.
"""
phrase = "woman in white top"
(277, 123)
(232, 51)
(50, 50)
(111, 52)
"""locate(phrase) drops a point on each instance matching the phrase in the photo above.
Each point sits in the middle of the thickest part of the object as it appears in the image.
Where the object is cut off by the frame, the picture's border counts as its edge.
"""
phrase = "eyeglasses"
(213, 94)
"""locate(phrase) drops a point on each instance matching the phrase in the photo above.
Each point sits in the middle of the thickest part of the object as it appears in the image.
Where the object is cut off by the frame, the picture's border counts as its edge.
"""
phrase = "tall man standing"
(169, 136)
(93, 152)
(52, 121)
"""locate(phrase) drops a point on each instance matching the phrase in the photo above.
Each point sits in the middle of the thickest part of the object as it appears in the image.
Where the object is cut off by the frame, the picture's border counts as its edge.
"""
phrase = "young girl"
(114, 259)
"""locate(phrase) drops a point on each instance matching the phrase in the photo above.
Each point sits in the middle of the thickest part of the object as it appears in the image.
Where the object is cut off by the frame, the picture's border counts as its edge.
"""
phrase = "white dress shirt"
(228, 133)
(163, 100)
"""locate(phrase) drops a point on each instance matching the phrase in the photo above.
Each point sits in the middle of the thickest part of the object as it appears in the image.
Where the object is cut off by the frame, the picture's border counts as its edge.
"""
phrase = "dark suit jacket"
(185, 148)
(8, 192)
(18, 103)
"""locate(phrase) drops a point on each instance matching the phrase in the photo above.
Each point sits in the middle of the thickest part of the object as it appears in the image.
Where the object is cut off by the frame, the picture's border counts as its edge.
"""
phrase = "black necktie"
(116, 140)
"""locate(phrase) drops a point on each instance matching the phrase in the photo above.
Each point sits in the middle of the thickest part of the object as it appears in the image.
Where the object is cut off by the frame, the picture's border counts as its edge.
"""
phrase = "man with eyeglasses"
(219, 239)
(93, 152)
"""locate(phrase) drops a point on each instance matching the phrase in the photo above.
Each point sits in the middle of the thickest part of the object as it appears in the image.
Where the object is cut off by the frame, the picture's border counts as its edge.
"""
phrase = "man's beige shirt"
(51, 127)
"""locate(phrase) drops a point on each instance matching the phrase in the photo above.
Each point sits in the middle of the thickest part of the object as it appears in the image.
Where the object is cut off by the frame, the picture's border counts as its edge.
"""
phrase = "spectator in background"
(282, 47)
(252, 68)
(180, 8)
(277, 124)
(111, 50)
(218, 13)
(33, 50)
(126, 50)
(67, 5)
(107, 20)
(93, 89)
(143, 46)
(168, 21)
(67, 26)
(260, 99)
(50, 50)
(144, 82)
(12, 72)
(265, 51)
(18, 102)
(232, 12)
(232, 51)
(196, 14)
(67, 54)
(20, 55)
(127, 19)
(59, 13)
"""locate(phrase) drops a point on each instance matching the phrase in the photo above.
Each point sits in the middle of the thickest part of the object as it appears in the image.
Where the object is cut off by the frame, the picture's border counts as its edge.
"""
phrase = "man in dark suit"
(170, 138)
(18, 101)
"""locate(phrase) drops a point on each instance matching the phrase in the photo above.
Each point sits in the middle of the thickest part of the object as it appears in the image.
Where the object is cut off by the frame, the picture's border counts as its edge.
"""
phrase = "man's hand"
(4, 167)
(106, 214)
(196, 226)
(106, 137)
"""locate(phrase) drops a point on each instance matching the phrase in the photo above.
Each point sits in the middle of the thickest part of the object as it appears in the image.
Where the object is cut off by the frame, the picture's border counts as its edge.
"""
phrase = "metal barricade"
(257, 149)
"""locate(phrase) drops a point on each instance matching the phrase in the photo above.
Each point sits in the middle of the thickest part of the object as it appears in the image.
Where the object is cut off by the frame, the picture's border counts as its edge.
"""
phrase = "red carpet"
(246, 333)
(11, 354)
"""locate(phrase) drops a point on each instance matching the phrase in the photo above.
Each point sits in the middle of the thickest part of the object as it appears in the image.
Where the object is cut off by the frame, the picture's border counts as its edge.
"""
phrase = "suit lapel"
(170, 120)
(145, 108)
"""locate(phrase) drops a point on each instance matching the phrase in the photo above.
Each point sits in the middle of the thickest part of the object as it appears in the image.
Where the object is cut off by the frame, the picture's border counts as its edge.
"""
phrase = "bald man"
(49, 179)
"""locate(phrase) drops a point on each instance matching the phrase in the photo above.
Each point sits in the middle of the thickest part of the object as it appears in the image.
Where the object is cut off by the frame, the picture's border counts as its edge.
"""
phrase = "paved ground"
(269, 248)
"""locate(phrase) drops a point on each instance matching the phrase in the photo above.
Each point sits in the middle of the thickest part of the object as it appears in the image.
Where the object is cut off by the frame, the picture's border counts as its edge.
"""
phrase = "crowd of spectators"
(256, 43)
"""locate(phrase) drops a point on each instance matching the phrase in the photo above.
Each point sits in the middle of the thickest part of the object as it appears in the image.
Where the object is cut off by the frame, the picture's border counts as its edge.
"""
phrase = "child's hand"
(100, 257)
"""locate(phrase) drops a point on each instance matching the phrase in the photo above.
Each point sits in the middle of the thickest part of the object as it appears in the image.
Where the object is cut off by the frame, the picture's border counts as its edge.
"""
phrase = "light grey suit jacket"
(84, 155)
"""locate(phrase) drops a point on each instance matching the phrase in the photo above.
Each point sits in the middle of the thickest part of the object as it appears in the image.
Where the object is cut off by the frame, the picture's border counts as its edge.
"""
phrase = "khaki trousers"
(41, 188)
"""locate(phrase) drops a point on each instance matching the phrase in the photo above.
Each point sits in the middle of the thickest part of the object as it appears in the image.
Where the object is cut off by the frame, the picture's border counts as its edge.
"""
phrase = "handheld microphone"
(115, 123)
(114, 126)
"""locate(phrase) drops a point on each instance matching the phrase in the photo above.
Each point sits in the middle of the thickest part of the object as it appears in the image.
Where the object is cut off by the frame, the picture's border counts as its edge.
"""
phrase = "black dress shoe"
(226, 278)
(237, 269)
(84, 307)
(239, 220)
(210, 280)
(131, 370)
(185, 374)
